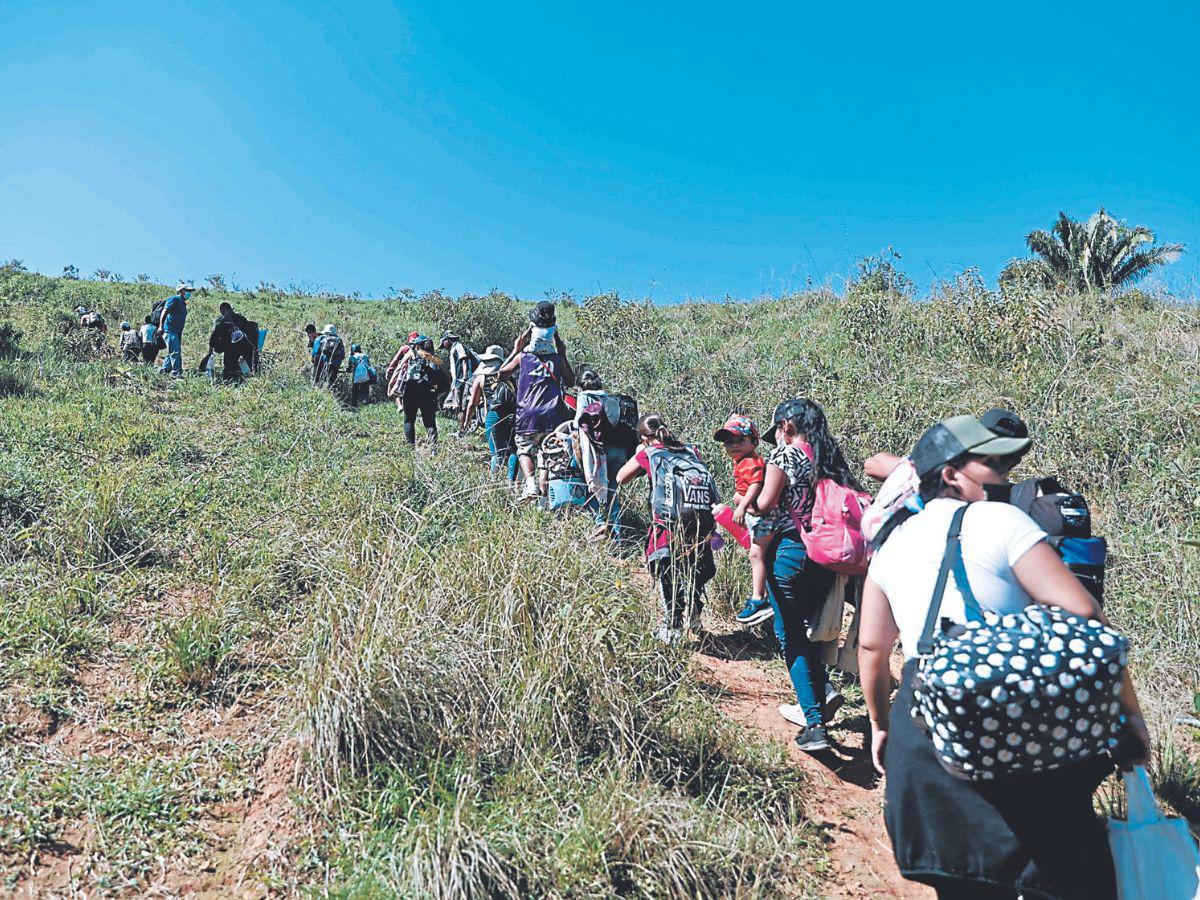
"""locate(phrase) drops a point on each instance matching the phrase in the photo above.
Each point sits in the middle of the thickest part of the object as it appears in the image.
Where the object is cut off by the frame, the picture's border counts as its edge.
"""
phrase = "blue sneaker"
(755, 611)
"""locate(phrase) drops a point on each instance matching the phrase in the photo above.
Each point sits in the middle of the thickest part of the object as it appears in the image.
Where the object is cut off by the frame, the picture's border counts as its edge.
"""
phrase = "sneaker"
(833, 701)
(794, 714)
(531, 491)
(810, 740)
(756, 610)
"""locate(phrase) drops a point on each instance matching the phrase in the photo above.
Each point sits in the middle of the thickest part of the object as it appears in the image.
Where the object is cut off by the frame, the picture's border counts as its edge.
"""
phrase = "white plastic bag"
(827, 624)
(1154, 855)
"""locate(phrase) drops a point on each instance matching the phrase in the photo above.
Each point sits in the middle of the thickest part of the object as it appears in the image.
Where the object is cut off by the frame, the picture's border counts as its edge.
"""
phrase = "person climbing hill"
(328, 353)
(806, 453)
(542, 374)
(173, 317)
(983, 829)
(498, 396)
(418, 380)
(678, 551)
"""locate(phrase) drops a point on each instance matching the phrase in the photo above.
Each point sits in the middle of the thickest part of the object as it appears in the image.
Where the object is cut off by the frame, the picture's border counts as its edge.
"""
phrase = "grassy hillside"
(217, 598)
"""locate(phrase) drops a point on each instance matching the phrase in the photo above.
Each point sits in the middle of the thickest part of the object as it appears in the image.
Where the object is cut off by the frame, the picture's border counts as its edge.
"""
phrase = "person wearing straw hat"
(497, 395)
(170, 324)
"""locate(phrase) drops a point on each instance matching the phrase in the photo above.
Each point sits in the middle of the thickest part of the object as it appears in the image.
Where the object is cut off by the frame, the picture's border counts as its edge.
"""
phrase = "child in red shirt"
(739, 437)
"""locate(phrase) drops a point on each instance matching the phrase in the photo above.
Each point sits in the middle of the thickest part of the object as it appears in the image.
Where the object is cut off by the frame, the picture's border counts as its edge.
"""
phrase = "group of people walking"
(235, 339)
(1014, 702)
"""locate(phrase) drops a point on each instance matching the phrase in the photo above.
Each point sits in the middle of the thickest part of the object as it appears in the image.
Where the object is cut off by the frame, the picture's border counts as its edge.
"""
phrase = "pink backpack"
(833, 535)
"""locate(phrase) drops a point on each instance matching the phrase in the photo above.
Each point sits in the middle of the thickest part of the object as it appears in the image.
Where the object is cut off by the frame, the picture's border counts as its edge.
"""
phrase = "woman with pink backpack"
(812, 503)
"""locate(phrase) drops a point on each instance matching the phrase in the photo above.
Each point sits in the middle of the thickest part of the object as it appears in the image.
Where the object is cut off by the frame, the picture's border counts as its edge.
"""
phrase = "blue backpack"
(1066, 519)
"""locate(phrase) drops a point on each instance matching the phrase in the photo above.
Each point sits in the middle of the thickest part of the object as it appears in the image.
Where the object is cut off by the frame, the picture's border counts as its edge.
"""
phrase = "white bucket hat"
(329, 329)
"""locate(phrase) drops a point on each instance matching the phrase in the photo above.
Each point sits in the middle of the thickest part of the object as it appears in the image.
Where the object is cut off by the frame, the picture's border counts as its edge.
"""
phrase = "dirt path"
(847, 797)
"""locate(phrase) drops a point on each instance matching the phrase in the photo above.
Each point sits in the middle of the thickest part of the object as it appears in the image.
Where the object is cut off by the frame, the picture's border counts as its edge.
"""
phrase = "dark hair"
(589, 380)
(310, 327)
(654, 427)
(226, 306)
(148, 321)
(828, 462)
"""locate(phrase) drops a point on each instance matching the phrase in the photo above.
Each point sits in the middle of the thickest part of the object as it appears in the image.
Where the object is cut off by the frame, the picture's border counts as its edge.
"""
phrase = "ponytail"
(653, 427)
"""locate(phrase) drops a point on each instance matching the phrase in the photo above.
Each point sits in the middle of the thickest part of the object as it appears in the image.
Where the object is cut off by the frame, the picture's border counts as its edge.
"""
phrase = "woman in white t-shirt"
(1031, 834)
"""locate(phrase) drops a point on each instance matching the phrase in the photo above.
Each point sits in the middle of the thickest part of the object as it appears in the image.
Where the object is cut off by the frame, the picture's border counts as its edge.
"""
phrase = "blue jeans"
(174, 358)
(796, 588)
(614, 458)
(500, 433)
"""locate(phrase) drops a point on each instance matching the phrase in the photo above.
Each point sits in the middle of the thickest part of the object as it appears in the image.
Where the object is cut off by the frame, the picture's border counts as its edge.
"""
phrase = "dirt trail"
(847, 797)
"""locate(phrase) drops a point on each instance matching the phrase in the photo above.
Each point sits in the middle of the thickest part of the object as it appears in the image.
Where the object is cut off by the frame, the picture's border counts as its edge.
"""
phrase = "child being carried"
(739, 437)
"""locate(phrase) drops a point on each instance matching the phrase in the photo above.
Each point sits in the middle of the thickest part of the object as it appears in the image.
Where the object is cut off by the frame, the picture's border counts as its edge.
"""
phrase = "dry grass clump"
(504, 686)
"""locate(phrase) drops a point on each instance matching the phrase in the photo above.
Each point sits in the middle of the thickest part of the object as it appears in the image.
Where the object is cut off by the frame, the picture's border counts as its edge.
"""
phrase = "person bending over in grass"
(739, 437)
(806, 453)
(678, 550)
(131, 343)
(1030, 833)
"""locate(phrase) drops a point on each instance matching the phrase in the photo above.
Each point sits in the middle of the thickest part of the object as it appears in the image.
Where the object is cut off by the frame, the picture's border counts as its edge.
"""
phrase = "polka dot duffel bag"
(1019, 693)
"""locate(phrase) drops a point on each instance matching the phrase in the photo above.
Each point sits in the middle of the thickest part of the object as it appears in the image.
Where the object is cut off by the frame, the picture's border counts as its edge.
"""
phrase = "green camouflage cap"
(957, 435)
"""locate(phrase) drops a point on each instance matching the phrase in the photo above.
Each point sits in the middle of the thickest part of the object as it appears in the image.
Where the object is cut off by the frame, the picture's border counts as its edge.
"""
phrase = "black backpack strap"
(925, 644)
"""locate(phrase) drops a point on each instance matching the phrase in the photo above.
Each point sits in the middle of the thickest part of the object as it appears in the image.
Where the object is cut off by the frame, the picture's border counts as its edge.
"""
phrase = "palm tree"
(1099, 254)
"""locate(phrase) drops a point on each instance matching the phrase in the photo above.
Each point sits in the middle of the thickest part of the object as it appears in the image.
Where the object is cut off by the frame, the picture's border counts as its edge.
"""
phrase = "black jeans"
(421, 400)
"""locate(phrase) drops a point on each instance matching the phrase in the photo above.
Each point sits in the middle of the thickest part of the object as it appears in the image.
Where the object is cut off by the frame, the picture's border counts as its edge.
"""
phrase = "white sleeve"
(1019, 533)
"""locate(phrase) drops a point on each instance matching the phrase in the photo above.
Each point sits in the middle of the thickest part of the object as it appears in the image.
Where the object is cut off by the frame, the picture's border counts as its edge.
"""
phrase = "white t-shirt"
(994, 537)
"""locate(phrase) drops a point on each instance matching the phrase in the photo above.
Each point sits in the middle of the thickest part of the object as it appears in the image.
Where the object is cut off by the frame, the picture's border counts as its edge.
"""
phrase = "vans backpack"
(833, 533)
(1067, 521)
(681, 487)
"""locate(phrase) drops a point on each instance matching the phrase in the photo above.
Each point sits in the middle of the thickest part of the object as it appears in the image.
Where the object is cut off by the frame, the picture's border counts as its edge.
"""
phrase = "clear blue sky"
(670, 150)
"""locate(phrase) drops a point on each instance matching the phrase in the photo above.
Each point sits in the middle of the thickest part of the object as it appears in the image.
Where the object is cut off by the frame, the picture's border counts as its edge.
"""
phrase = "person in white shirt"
(1035, 834)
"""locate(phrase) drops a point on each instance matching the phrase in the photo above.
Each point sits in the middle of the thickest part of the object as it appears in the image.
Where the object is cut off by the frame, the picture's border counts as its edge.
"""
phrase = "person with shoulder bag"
(1014, 700)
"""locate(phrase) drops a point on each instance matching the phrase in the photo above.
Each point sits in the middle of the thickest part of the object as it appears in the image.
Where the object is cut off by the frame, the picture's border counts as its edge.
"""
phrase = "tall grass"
(483, 710)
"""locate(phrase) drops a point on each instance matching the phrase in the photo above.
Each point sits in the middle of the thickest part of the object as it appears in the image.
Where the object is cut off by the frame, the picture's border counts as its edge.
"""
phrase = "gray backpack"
(681, 487)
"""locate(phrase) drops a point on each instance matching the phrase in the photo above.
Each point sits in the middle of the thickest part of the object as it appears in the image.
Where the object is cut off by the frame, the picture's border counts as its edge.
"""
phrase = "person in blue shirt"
(174, 315)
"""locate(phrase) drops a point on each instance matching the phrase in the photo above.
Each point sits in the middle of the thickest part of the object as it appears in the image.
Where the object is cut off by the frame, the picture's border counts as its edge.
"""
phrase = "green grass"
(481, 707)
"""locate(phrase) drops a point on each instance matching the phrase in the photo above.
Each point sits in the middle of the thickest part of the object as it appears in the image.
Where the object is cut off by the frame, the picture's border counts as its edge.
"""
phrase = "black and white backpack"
(1018, 693)
(681, 487)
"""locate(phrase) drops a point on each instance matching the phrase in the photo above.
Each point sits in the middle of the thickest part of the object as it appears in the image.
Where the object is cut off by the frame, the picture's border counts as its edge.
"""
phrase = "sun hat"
(491, 359)
(737, 426)
(786, 410)
(80, 310)
(957, 435)
(125, 326)
(329, 329)
(449, 336)
(543, 314)
(179, 288)
(1004, 422)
